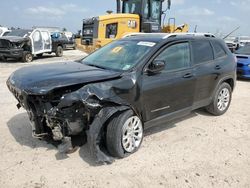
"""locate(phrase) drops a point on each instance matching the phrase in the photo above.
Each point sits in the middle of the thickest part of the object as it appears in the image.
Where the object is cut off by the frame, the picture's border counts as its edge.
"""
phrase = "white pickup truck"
(25, 44)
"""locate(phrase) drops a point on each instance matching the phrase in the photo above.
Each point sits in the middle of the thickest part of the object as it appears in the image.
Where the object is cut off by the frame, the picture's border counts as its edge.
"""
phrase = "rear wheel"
(59, 51)
(221, 100)
(124, 134)
(27, 57)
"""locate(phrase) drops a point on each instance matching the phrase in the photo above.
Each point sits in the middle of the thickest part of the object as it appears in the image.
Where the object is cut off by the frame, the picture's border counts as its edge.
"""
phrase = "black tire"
(213, 107)
(39, 55)
(27, 57)
(114, 135)
(59, 51)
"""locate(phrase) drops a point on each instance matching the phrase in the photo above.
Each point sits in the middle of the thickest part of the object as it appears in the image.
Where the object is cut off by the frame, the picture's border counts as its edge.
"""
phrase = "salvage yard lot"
(198, 150)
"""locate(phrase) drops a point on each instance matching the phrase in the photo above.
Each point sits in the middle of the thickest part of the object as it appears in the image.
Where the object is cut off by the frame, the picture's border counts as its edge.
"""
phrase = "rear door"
(204, 69)
(172, 89)
(47, 43)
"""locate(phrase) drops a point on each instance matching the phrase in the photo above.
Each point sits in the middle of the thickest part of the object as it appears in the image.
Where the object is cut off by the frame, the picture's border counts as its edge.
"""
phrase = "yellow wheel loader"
(132, 16)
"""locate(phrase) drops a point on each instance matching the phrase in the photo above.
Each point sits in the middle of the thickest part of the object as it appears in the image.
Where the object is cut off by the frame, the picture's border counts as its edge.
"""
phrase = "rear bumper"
(11, 53)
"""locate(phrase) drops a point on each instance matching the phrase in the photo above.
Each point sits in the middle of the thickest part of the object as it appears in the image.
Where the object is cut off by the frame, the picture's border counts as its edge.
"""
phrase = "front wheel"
(124, 134)
(221, 100)
(27, 57)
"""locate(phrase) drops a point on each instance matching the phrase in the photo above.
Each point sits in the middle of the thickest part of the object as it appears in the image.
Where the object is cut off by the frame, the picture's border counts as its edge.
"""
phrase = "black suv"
(131, 84)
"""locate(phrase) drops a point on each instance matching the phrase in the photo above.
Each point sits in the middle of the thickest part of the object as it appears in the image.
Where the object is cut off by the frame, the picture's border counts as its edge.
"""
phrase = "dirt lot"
(196, 151)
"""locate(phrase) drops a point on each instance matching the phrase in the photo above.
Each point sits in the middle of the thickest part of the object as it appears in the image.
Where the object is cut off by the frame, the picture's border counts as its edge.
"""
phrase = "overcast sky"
(215, 16)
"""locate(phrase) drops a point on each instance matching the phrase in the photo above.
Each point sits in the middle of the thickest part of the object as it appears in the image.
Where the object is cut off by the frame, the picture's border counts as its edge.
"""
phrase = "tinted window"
(176, 56)
(218, 50)
(203, 51)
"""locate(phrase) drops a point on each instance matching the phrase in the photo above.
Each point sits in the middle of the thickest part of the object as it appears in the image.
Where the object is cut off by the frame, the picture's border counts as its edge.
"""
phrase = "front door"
(172, 89)
(37, 42)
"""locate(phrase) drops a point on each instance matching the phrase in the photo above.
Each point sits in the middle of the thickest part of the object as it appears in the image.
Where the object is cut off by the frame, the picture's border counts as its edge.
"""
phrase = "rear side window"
(218, 50)
(202, 51)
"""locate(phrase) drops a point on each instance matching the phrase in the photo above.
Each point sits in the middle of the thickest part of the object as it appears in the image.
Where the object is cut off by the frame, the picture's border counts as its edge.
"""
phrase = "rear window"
(202, 51)
(218, 50)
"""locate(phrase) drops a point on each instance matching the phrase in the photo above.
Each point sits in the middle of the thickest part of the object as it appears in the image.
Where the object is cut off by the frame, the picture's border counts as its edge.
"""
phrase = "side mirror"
(156, 66)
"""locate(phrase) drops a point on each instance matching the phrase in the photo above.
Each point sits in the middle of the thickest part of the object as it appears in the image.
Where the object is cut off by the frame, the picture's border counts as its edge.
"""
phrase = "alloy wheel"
(223, 99)
(132, 134)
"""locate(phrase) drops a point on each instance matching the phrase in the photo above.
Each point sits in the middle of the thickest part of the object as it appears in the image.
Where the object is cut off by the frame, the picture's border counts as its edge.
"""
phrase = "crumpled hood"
(41, 79)
(14, 39)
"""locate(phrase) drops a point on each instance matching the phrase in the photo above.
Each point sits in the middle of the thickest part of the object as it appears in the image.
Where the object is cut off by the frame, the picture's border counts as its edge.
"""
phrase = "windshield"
(19, 33)
(119, 55)
(244, 50)
(132, 6)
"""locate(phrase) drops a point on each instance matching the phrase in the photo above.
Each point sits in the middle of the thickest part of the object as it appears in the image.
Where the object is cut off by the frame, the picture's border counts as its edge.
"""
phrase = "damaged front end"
(13, 47)
(73, 110)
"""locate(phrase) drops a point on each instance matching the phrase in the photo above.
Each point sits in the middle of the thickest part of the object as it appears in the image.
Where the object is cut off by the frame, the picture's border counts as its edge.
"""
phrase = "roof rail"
(141, 34)
(168, 35)
(189, 34)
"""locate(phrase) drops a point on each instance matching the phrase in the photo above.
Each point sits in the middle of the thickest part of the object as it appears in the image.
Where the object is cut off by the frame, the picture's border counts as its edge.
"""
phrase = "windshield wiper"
(97, 66)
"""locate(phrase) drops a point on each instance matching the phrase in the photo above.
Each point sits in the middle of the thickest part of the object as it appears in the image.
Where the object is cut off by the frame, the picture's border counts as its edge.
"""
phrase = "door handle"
(217, 67)
(188, 75)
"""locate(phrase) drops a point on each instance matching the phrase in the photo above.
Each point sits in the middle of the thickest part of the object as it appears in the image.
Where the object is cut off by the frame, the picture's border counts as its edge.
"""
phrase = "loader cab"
(150, 12)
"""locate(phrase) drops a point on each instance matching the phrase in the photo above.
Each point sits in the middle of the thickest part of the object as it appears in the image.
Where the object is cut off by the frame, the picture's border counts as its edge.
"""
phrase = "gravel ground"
(198, 150)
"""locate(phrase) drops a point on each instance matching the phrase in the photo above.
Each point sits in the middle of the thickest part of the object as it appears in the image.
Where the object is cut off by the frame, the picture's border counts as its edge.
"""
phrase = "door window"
(202, 51)
(218, 50)
(45, 36)
(176, 56)
(36, 36)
